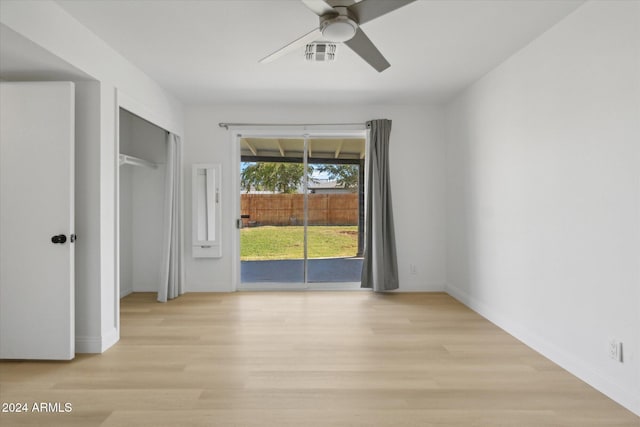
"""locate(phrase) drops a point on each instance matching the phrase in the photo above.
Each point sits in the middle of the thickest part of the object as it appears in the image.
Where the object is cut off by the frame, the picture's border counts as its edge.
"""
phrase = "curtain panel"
(380, 265)
(172, 268)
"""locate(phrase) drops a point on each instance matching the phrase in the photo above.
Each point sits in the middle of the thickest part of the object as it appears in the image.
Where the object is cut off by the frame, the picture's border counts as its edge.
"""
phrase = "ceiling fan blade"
(319, 7)
(307, 38)
(368, 10)
(361, 45)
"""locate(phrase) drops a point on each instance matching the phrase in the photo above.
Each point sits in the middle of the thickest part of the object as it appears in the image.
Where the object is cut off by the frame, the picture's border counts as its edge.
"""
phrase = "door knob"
(60, 238)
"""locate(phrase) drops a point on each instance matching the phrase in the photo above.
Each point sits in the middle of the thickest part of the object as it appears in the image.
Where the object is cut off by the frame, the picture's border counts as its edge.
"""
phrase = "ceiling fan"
(340, 21)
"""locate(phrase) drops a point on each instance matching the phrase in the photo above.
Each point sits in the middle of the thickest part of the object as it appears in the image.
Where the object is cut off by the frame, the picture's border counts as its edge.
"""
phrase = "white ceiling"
(207, 51)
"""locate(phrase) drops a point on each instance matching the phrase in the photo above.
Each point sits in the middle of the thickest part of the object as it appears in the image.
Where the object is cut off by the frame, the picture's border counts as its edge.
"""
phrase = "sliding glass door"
(301, 212)
(335, 231)
(272, 185)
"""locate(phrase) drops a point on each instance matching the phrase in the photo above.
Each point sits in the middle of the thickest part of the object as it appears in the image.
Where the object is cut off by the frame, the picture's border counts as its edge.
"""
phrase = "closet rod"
(125, 159)
(227, 125)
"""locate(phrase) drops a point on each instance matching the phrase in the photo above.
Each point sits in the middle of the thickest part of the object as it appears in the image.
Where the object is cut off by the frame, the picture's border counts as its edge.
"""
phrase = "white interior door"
(37, 318)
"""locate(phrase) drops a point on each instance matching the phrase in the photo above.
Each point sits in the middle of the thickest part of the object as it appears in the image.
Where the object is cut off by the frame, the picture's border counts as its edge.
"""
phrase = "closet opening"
(142, 159)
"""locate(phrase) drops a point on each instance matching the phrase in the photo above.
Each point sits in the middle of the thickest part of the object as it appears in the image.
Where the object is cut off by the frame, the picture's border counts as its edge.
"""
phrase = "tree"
(272, 176)
(346, 176)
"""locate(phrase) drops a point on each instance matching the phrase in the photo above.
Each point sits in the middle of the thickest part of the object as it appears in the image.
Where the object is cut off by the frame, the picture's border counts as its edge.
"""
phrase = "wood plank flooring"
(307, 359)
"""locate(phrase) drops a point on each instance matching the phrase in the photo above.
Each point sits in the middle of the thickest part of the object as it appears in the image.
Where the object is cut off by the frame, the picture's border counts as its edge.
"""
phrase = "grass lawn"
(287, 242)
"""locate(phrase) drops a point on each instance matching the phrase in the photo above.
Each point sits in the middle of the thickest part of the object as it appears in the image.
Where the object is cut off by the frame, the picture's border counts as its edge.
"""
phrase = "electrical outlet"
(615, 350)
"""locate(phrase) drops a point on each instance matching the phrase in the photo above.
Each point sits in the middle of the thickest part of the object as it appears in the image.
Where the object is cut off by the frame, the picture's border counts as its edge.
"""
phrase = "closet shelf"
(126, 159)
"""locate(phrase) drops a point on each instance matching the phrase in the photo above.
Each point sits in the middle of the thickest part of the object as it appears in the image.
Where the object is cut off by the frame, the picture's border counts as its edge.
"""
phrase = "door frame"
(297, 131)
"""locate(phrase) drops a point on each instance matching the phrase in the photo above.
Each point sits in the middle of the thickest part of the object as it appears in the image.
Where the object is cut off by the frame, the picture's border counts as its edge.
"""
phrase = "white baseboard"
(109, 339)
(325, 286)
(328, 286)
(96, 344)
(569, 362)
(407, 286)
(85, 344)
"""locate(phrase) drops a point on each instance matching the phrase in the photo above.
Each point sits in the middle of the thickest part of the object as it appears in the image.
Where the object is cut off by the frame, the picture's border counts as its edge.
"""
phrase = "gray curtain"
(380, 266)
(172, 270)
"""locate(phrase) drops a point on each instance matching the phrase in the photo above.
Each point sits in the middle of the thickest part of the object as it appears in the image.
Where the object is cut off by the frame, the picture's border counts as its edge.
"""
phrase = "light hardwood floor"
(307, 359)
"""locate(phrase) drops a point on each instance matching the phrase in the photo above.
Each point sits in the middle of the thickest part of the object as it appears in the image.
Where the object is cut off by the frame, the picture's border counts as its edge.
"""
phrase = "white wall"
(417, 168)
(148, 226)
(543, 191)
(120, 83)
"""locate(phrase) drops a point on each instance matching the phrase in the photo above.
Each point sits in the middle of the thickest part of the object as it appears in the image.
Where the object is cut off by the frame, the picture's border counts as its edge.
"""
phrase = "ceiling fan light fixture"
(339, 29)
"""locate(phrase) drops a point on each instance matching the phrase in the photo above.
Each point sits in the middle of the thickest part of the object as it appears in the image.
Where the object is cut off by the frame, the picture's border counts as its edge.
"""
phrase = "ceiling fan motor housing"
(338, 28)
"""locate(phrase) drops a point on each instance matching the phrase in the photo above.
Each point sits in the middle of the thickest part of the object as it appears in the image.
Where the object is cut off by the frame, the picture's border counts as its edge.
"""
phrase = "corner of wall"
(97, 344)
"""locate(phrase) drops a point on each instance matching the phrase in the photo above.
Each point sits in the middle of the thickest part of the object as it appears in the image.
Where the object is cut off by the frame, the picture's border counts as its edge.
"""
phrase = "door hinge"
(239, 223)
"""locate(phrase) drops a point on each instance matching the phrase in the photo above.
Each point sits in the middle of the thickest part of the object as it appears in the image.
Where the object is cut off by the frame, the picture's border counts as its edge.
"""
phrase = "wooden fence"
(287, 209)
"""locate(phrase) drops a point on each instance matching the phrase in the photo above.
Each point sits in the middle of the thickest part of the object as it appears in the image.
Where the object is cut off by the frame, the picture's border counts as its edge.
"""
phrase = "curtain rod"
(226, 125)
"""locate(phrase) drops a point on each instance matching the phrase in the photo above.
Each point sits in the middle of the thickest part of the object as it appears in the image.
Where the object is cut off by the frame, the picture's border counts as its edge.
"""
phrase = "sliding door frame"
(306, 132)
